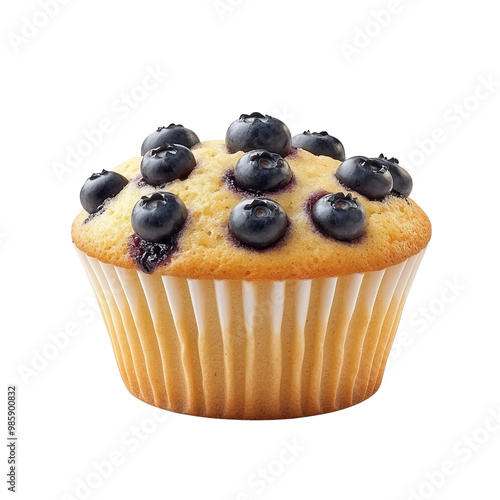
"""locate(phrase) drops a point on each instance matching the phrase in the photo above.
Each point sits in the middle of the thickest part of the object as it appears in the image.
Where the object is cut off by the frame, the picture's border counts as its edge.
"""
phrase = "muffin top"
(259, 205)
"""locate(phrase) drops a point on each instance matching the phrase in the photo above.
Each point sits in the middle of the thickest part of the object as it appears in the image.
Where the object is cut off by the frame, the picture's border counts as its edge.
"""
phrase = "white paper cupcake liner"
(253, 350)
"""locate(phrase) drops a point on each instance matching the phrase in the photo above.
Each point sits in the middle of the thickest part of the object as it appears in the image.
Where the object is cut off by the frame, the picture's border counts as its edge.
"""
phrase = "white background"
(312, 64)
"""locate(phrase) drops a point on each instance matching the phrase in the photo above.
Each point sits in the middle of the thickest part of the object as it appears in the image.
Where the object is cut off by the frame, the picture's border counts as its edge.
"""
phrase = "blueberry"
(368, 176)
(99, 187)
(147, 255)
(339, 216)
(158, 217)
(320, 144)
(258, 131)
(402, 181)
(173, 134)
(259, 170)
(167, 163)
(258, 222)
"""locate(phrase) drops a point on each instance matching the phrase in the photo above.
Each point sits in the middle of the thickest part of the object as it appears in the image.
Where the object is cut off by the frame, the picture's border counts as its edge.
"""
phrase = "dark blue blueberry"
(339, 216)
(147, 255)
(167, 163)
(368, 176)
(258, 222)
(320, 144)
(402, 181)
(99, 187)
(259, 170)
(258, 131)
(173, 134)
(158, 217)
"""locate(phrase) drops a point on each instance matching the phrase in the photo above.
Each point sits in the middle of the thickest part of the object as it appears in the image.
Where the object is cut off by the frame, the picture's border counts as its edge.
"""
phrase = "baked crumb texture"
(397, 228)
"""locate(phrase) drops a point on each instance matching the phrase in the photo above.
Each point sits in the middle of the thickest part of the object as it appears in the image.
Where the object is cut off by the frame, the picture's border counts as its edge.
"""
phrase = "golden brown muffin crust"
(397, 228)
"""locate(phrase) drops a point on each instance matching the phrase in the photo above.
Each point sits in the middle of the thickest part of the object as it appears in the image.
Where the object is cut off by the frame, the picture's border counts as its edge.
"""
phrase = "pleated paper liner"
(251, 350)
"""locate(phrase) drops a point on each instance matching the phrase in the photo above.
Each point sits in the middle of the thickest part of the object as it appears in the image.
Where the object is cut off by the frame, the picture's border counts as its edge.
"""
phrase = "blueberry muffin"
(258, 277)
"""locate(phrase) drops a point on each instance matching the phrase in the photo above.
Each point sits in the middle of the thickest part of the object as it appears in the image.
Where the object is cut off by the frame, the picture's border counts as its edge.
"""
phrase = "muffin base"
(251, 349)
